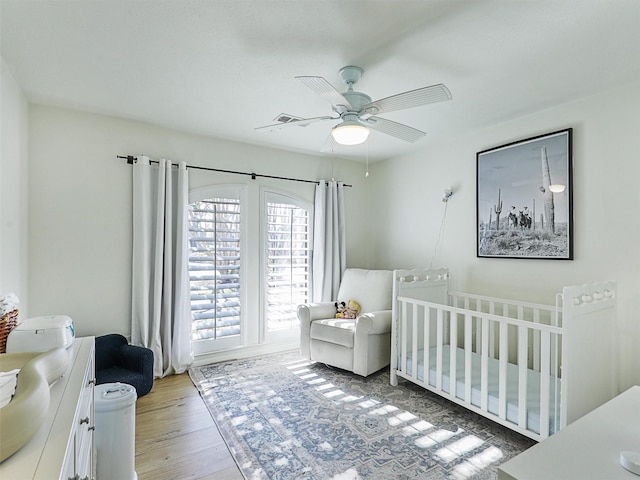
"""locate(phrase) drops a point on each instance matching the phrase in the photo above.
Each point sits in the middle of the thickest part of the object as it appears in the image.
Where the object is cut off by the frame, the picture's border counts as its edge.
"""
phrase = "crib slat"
(545, 365)
(536, 341)
(468, 340)
(484, 366)
(403, 343)
(492, 334)
(427, 345)
(523, 361)
(555, 368)
(502, 369)
(453, 344)
(414, 342)
(439, 336)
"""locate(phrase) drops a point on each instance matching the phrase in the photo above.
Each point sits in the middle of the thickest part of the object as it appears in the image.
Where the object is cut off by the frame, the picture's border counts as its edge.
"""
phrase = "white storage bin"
(40, 334)
(115, 435)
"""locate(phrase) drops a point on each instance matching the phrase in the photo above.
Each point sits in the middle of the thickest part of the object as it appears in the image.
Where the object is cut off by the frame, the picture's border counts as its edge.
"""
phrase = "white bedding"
(533, 386)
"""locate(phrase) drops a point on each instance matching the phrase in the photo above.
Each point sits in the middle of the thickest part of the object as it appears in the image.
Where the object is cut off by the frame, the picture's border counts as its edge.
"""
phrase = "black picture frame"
(533, 175)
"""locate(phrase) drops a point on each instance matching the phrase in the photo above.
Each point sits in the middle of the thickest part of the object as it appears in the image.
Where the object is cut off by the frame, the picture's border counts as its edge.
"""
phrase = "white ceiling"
(223, 67)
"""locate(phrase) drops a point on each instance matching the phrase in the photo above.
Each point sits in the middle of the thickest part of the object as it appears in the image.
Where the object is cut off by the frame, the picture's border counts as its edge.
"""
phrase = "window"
(249, 266)
(287, 261)
(214, 269)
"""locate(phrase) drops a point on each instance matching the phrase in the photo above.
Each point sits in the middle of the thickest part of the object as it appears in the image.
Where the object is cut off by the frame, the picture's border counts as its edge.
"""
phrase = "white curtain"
(161, 316)
(329, 240)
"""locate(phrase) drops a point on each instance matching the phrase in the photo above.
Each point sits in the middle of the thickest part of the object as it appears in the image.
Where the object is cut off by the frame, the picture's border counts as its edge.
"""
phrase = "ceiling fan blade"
(412, 98)
(303, 122)
(323, 88)
(395, 129)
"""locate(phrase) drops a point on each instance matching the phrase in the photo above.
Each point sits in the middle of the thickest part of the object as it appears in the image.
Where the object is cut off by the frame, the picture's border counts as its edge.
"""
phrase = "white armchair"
(361, 345)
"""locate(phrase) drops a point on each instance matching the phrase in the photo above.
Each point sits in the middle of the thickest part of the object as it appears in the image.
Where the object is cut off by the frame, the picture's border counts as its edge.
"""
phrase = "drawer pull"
(84, 420)
(91, 428)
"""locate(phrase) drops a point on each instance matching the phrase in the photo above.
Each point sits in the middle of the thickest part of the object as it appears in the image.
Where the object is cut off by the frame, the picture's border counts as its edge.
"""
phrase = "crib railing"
(531, 312)
(517, 333)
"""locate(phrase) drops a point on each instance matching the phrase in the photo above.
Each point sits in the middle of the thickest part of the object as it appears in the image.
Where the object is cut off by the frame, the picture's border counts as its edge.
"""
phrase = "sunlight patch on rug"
(288, 419)
(350, 474)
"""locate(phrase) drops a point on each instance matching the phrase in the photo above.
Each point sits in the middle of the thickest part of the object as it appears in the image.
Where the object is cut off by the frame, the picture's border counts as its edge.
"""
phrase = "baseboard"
(244, 352)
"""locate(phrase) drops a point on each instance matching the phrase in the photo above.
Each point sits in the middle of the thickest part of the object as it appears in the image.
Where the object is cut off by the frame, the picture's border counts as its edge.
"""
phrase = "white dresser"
(62, 449)
(589, 448)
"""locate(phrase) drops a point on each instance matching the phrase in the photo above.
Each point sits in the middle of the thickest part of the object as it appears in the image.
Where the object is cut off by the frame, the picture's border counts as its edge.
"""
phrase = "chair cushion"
(372, 289)
(334, 330)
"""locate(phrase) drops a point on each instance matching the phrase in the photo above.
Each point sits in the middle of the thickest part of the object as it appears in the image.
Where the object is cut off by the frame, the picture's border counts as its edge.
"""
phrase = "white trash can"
(115, 434)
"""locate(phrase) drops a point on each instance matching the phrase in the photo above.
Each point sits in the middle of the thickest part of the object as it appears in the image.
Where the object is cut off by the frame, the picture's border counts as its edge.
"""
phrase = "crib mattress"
(533, 386)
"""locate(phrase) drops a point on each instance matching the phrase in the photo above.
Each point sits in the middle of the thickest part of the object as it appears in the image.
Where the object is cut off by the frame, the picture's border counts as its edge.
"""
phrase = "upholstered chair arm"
(307, 313)
(372, 342)
(315, 311)
(137, 359)
(373, 323)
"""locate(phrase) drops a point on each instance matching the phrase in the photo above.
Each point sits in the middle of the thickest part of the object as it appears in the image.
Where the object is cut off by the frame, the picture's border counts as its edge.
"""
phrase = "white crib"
(532, 368)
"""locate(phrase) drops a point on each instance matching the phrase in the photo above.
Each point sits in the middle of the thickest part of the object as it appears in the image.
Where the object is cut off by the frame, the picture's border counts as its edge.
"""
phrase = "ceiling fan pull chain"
(366, 173)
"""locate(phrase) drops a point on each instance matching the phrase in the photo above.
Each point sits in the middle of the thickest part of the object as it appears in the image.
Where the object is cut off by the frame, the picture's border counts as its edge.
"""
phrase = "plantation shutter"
(214, 268)
(288, 263)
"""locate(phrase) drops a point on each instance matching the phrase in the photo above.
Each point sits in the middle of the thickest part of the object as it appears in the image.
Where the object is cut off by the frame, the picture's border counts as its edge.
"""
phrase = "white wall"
(13, 188)
(80, 208)
(606, 168)
(80, 205)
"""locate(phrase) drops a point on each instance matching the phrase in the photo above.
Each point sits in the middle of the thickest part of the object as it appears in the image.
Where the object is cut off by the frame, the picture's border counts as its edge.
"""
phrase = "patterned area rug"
(287, 419)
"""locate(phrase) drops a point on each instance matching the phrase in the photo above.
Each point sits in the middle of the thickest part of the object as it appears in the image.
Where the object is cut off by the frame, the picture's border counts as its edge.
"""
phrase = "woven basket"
(7, 323)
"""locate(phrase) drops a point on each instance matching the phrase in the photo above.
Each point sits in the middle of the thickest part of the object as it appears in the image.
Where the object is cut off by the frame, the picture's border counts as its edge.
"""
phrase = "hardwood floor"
(176, 438)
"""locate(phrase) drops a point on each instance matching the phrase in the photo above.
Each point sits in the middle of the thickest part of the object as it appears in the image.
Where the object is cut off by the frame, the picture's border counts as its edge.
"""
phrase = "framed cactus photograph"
(524, 198)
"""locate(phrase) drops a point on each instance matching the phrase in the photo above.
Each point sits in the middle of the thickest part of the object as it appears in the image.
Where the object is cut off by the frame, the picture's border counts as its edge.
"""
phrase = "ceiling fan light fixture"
(557, 188)
(350, 133)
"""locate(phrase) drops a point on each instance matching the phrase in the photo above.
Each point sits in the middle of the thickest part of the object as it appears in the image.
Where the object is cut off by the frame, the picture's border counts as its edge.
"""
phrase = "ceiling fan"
(358, 114)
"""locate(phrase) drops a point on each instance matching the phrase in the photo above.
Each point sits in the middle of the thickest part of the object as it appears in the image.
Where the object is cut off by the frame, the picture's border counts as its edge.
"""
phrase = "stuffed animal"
(340, 308)
(352, 310)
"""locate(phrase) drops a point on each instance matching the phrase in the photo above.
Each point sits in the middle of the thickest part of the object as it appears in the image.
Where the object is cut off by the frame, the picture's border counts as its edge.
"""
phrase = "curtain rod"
(132, 159)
